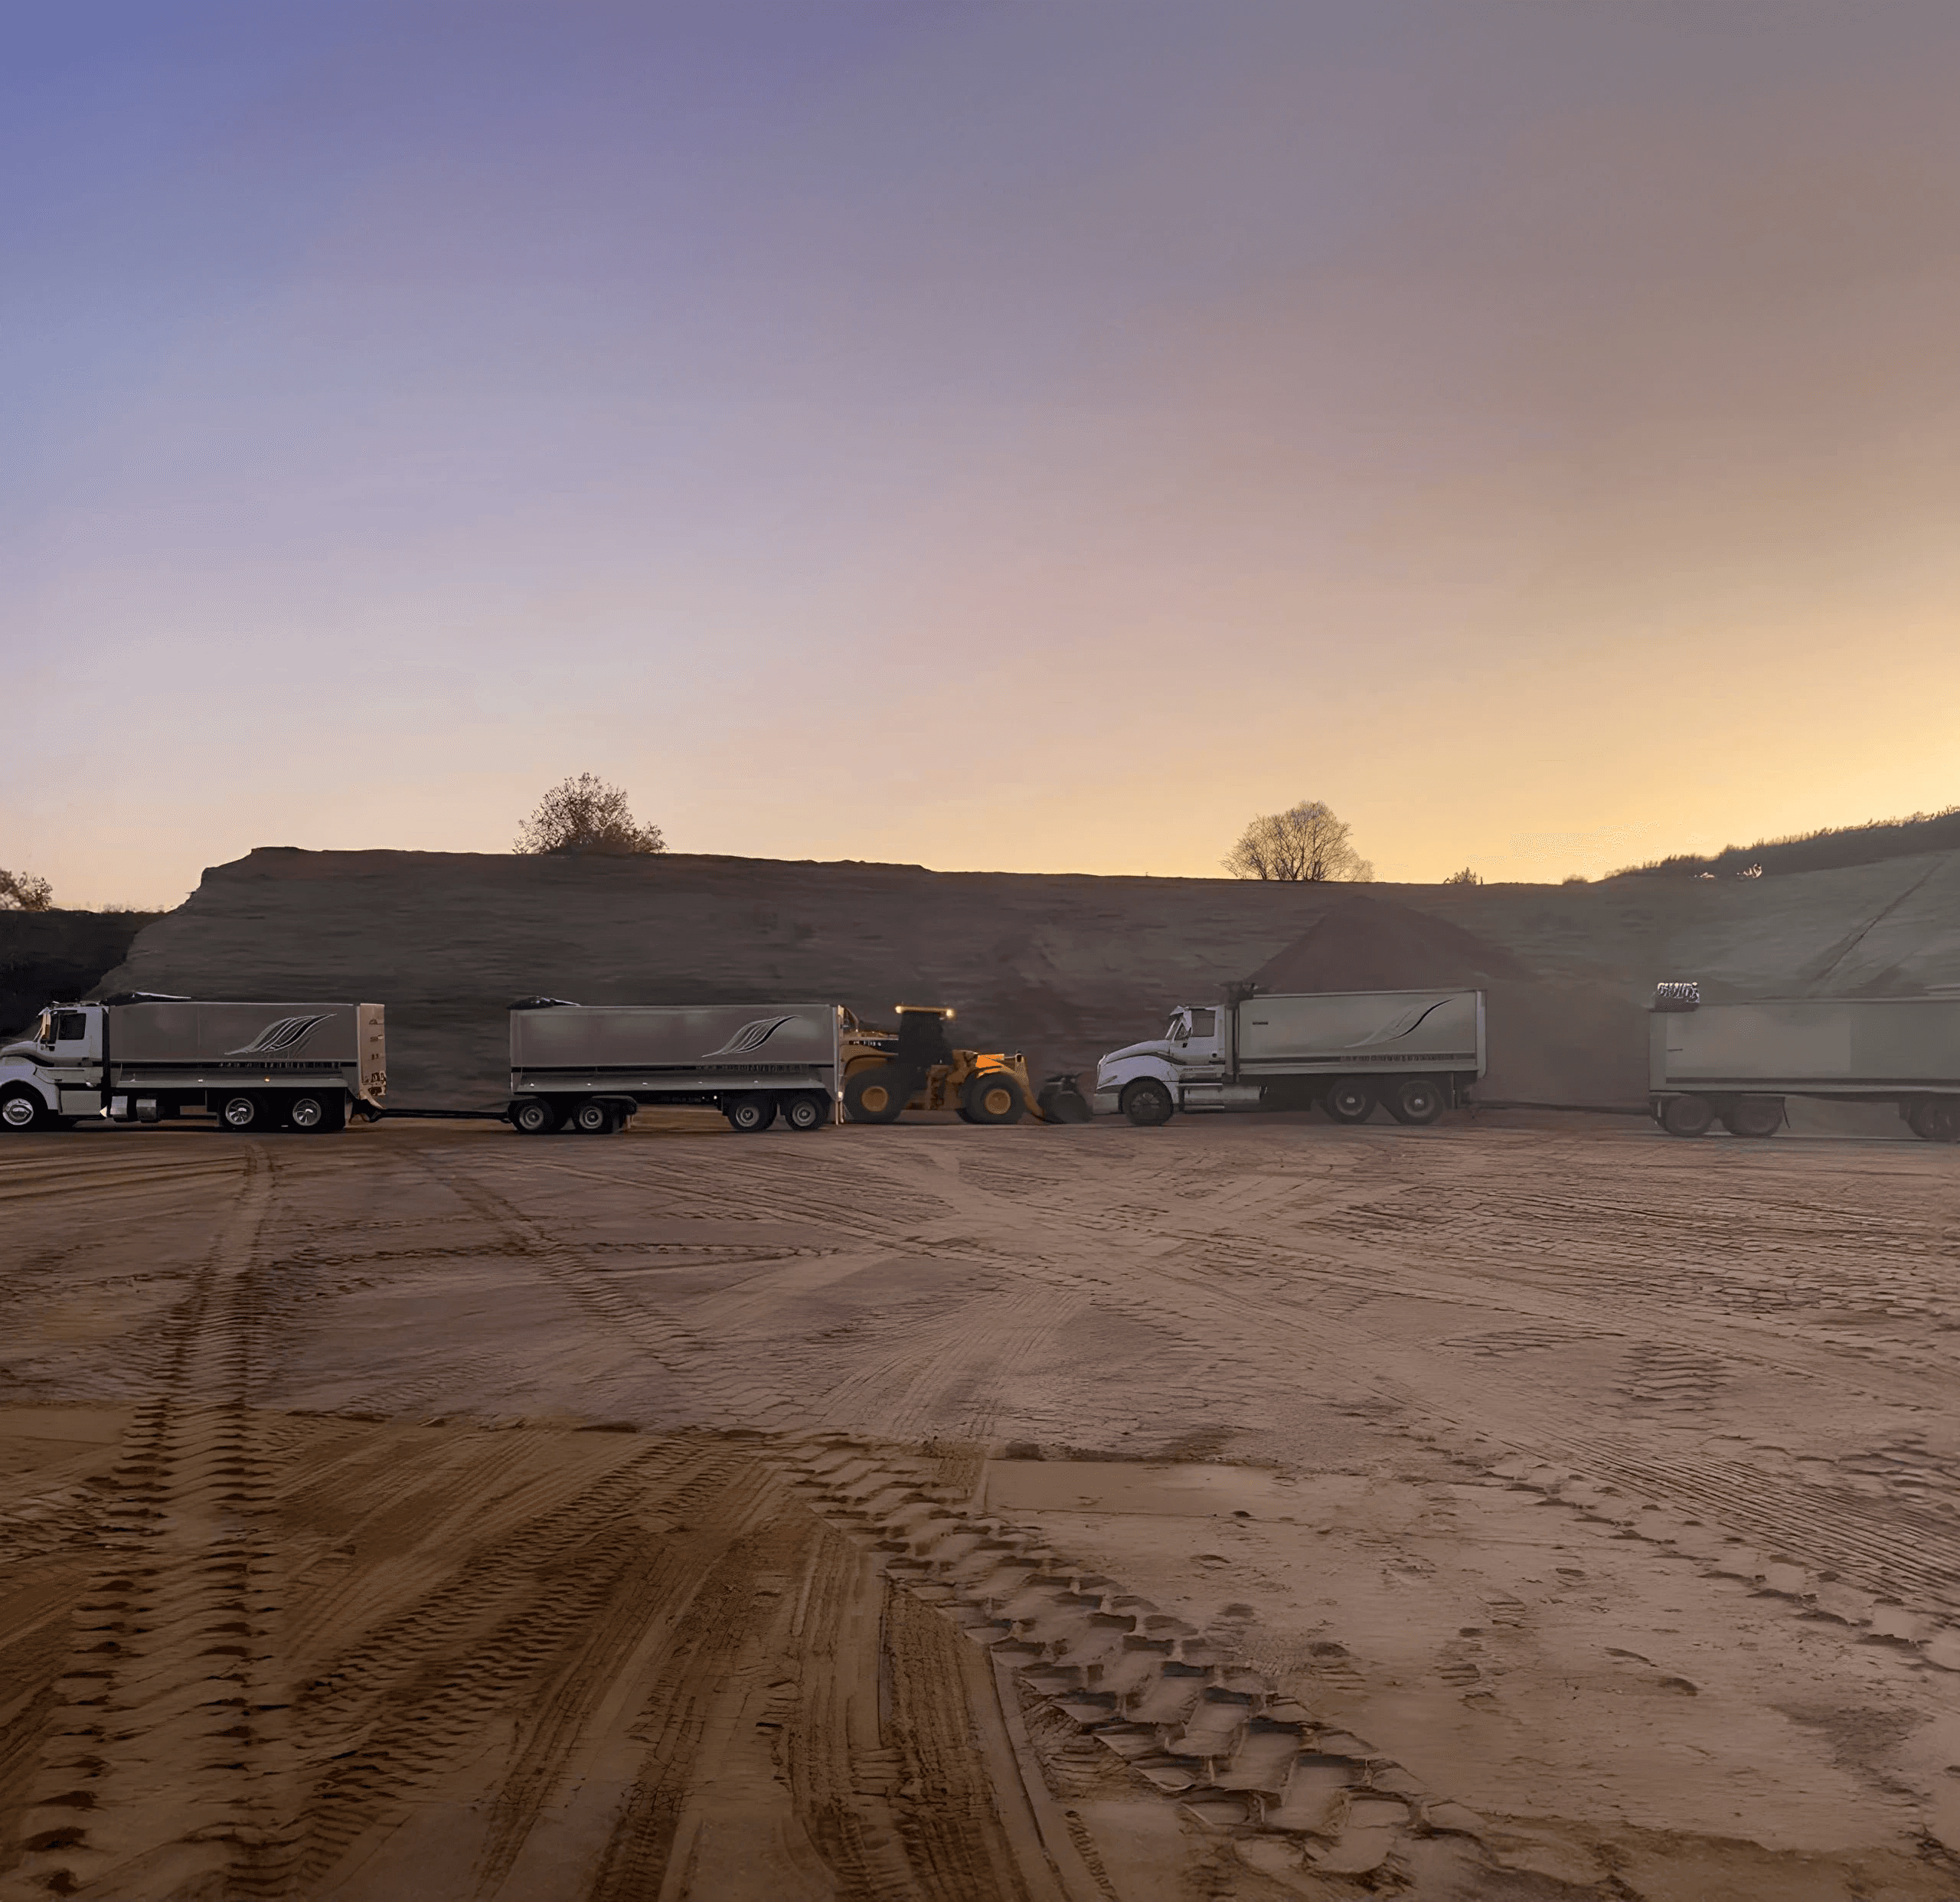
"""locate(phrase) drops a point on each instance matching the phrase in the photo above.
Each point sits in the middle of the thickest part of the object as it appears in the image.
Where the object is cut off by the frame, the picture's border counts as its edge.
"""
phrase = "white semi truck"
(138, 1058)
(1413, 1052)
(589, 1067)
(1736, 1063)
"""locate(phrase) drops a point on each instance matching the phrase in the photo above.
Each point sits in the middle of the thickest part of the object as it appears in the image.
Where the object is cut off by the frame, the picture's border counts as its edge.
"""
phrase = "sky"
(1015, 436)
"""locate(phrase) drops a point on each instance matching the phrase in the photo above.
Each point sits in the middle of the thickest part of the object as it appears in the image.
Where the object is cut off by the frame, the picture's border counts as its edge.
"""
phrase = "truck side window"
(70, 1027)
(1205, 1023)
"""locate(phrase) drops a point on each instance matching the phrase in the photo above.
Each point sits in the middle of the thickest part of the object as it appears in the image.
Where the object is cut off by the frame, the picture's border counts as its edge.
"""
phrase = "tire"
(876, 1094)
(21, 1110)
(993, 1096)
(1147, 1103)
(1754, 1116)
(1935, 1119)
(241, 1113)
(806, 1112)
(751, 1115)
(310, 1114)
(535, 1116)
(1686, 1116)
(1349, 1100)
(594, 1119)
(1418, 1100)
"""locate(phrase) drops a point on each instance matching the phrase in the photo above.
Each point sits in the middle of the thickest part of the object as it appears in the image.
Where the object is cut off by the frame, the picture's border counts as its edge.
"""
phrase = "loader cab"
(922, 1036)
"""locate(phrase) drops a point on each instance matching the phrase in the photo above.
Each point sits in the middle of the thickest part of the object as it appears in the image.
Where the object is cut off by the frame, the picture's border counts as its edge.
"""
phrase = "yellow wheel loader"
(886, 1073)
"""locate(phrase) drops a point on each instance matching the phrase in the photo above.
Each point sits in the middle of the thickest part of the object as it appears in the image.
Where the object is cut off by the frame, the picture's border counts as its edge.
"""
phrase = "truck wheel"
(21, 1110)
(1416, 1099)
(306, 1113)
(751, 1115)
(240, 1112)
(992, 1096)
(1935, 1119)
(1754, 1116)
(1147, 1103)
(593, 1118)
(533, 1115)
(1686, 1116)
(1349, 1100)
(807, 1112)
(876, 1094)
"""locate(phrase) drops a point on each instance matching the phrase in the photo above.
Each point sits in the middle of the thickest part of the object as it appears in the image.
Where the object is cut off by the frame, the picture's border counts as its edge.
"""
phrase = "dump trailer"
(141, 1058)
(1736, 1063)
(590, 1068)
(916, 1066)
(1413, 1052)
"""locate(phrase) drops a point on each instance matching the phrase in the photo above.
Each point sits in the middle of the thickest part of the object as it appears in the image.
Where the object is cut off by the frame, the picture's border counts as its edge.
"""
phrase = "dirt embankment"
(50, 955)
(1064, 967)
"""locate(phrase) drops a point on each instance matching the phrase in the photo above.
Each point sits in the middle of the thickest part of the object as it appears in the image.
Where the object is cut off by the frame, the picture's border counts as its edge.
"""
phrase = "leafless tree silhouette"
(1304, 844)
(587, 815)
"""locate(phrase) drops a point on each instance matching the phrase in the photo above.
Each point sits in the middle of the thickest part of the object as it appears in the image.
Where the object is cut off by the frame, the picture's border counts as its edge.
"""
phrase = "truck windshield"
(43, 1030)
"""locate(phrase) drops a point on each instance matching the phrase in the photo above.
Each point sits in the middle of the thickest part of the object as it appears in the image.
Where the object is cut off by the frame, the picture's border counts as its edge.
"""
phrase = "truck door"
(76, 1039)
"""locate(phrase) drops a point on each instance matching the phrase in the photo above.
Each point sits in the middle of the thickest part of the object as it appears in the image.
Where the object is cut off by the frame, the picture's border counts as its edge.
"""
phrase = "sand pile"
(1371, 943)
(1550, 1042)
(1062, 968)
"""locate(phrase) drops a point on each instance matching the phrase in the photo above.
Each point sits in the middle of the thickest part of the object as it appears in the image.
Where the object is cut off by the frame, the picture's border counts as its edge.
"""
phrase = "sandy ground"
(1248, 1508)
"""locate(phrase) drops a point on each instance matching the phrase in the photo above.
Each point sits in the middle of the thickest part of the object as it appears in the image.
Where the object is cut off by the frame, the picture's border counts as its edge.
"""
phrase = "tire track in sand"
(165, 1763)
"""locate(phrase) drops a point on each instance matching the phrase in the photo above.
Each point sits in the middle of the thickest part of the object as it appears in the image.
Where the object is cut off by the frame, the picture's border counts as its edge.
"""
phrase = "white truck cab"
(1190, 1060)
(54, 1075)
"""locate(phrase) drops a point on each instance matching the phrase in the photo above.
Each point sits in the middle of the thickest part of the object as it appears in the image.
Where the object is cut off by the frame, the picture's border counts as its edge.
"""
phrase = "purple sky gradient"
(1034, 437)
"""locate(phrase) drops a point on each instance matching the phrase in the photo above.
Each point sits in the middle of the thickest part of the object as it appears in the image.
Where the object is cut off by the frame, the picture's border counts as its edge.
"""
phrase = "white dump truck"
(1736, 1063)
(589, 1067)
(1413, 1052)
(139, 1057)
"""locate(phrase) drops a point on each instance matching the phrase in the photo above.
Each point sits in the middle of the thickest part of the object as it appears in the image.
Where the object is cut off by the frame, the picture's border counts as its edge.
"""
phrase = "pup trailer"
(590, 1068)
(1736, 1063)
(1414, 1052)
(140, 1057)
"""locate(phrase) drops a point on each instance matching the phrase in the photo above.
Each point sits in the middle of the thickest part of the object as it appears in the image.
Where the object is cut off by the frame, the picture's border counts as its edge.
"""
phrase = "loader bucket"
(1061, 1100)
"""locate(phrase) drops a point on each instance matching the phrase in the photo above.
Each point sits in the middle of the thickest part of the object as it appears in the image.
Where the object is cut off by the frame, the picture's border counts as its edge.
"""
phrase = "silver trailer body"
(1736, 1062)
(1360, 1032)
(191, 1045)
(1412, 1052)
(759, 1056)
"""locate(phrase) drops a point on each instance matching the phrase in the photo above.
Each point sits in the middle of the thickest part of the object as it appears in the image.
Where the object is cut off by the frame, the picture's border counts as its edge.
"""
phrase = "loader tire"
(1148, 1104)
(994, 1095)
(876, 1094)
